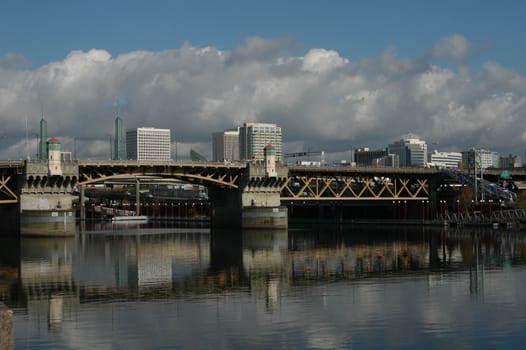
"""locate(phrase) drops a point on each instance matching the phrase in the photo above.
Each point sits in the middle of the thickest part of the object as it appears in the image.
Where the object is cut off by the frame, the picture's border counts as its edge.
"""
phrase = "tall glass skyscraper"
(253, 137)
(42, 145)
(148, 144)
(119, 142)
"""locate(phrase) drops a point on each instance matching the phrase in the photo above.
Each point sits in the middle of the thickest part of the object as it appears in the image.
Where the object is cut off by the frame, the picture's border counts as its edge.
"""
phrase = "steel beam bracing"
(351, 185)
(7, 195)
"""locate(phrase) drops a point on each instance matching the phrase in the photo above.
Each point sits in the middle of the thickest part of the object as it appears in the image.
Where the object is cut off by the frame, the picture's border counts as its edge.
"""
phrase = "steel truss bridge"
(358, 184)
(303, 183)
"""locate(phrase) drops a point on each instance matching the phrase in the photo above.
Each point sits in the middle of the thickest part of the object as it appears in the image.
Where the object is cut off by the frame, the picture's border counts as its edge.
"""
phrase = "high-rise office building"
(119, 142)
(225, 145)
(253, 137)
(411, 151)
(368, 157)
(148, 144)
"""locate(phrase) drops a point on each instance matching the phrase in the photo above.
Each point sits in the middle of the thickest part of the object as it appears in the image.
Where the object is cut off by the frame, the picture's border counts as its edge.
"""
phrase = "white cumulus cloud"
(322, 101)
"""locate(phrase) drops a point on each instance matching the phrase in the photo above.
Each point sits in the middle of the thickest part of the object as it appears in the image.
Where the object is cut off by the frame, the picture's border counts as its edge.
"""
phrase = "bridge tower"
(46, 200)
(53, 151)
(270, 161)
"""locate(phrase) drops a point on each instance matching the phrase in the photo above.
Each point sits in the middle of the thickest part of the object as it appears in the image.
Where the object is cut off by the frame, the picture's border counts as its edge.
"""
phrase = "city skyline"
(409, 145)
(365, 75)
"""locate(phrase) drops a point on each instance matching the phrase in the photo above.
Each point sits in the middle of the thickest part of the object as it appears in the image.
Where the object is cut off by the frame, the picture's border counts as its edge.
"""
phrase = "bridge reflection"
(46, 275)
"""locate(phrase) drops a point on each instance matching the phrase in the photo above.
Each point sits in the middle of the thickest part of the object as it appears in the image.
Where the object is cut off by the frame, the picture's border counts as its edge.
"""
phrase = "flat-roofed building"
(148, 144)
(445, 159)
(225, 145)
(366, 157)
(254, 137)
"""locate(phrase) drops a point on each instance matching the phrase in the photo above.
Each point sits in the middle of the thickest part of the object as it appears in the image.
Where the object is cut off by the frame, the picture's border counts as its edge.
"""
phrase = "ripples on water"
(308, 288)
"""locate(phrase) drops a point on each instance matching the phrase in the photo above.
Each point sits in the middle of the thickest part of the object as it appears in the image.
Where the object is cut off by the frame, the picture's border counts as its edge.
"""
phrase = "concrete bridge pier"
(46, 202)
(247, 209)
(226, 207)
(255, 204)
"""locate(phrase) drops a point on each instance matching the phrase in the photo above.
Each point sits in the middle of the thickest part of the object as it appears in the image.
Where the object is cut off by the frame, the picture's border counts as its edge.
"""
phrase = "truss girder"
(207, 175)
(355, 187)
(7, 195)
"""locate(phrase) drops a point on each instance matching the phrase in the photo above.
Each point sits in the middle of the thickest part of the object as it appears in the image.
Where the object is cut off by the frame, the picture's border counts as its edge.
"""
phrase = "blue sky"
(331, 73)
(45, 31)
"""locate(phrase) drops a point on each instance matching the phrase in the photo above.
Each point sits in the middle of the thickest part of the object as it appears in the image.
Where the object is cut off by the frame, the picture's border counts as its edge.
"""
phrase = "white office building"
(225, 145)
(253, 137)
(445, 159)
(148, 144)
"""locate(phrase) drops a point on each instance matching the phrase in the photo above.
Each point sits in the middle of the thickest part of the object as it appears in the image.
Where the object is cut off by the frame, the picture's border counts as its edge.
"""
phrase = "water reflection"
(293, 275)
(168, 264)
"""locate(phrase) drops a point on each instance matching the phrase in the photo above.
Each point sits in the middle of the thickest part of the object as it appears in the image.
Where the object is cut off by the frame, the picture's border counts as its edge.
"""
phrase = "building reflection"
(52, 277)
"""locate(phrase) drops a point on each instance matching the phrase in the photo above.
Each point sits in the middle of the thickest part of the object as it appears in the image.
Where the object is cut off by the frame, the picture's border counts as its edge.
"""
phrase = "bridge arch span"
(207, 174)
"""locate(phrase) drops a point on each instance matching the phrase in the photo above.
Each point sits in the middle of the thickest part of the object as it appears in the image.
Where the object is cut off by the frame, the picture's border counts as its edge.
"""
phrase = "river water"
(316, 287)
